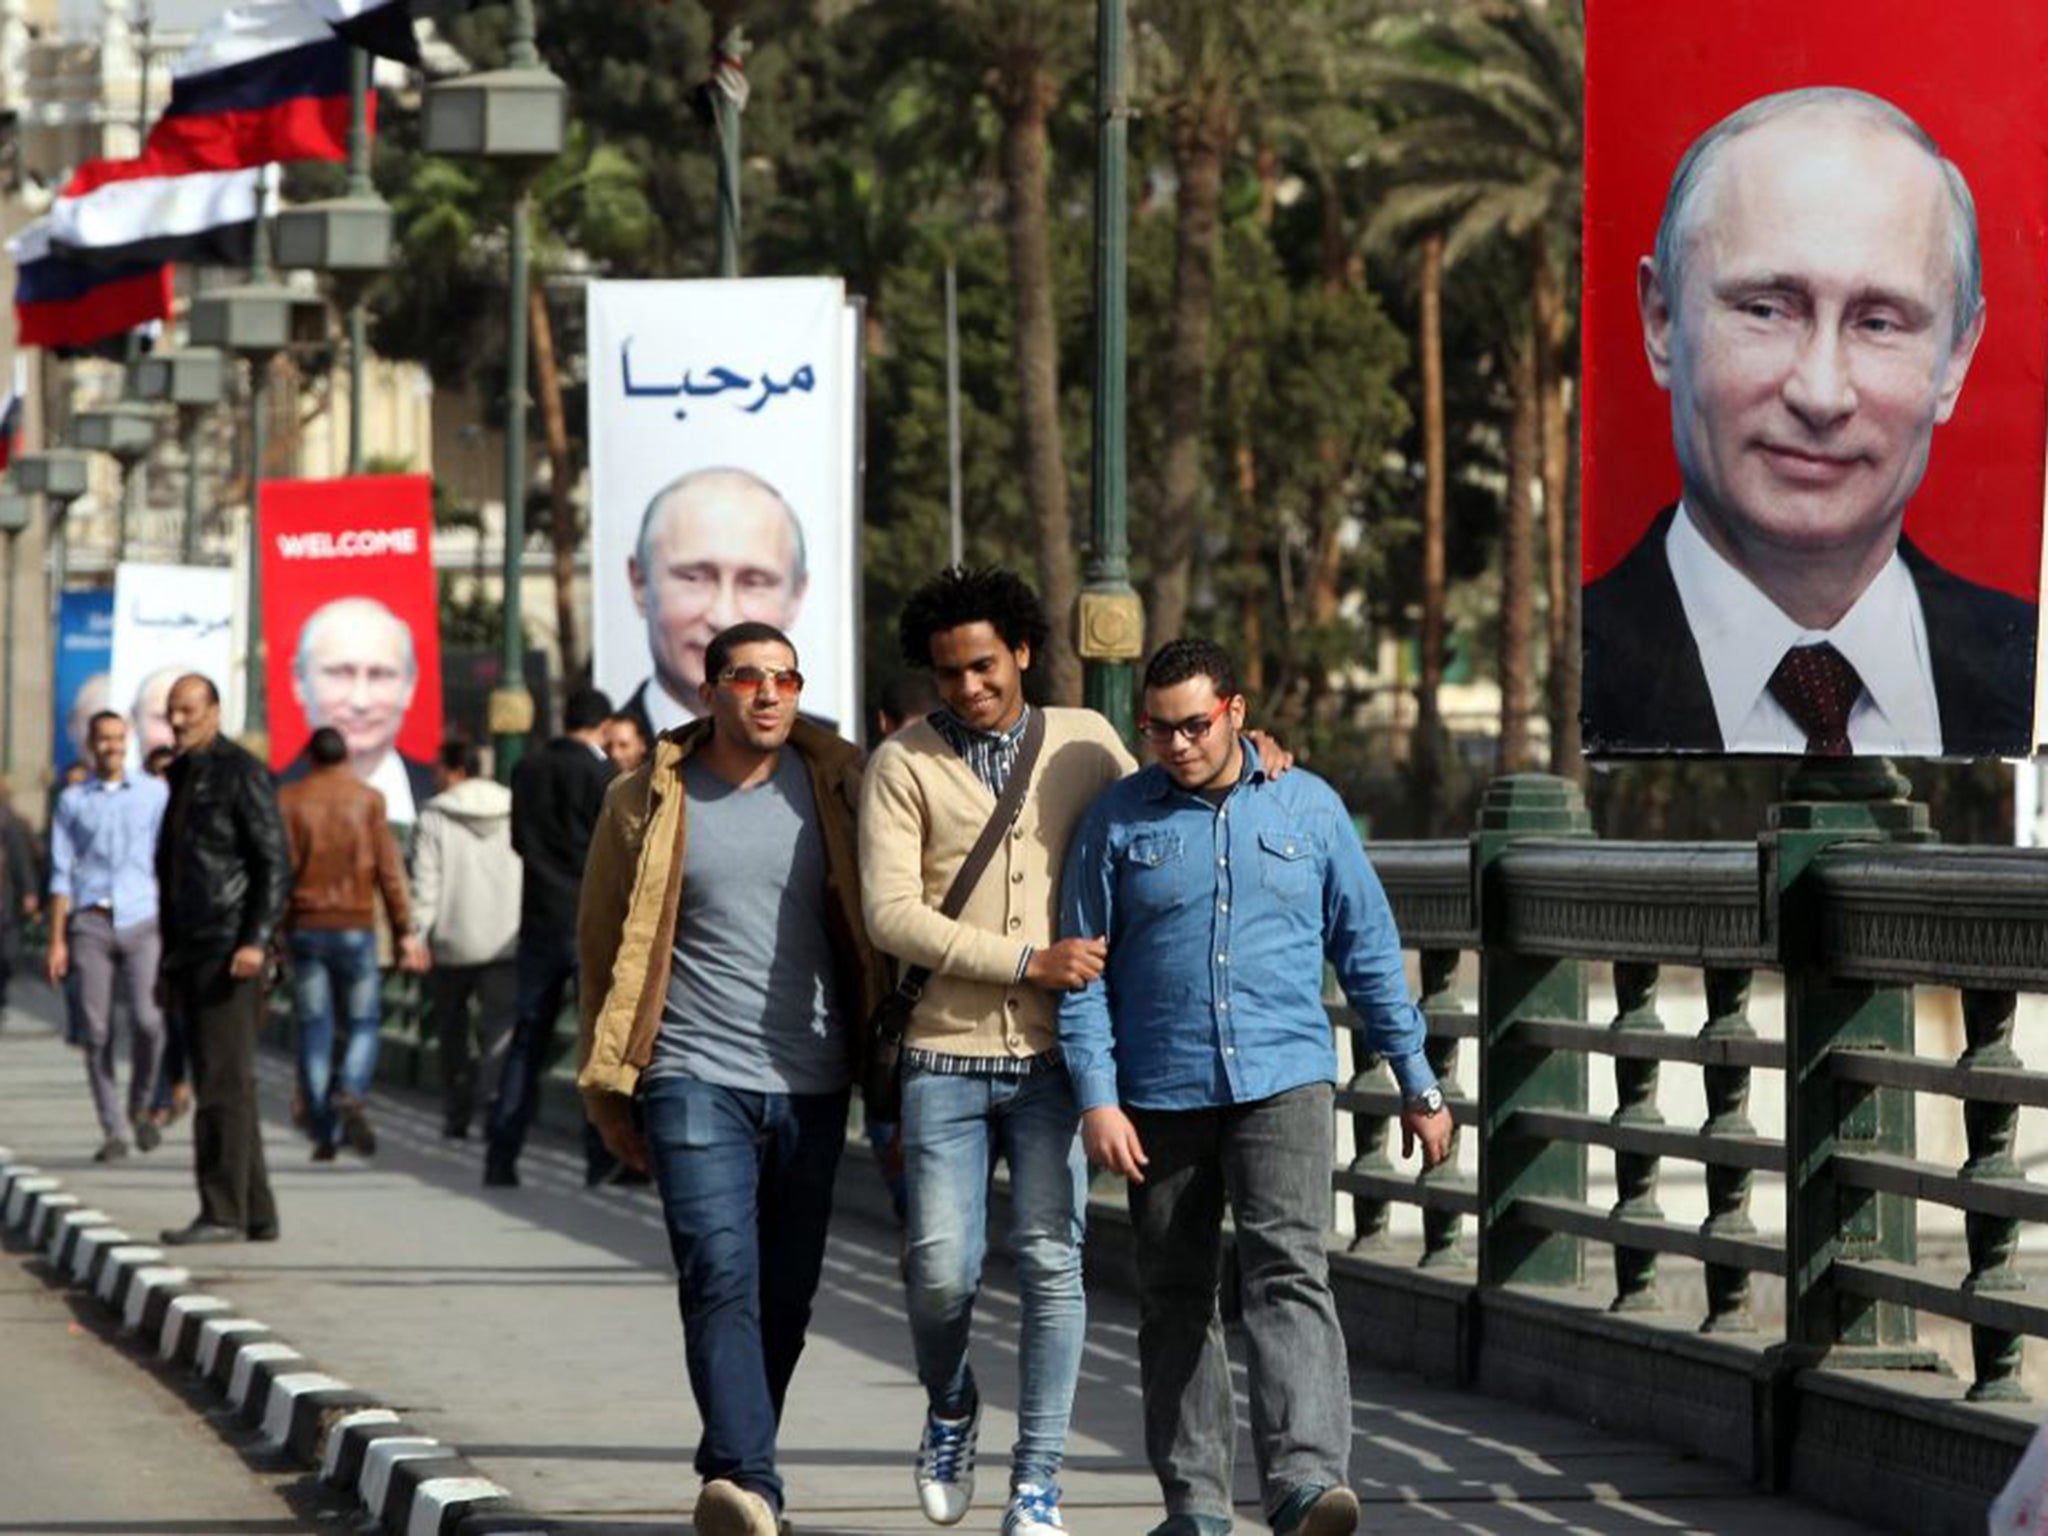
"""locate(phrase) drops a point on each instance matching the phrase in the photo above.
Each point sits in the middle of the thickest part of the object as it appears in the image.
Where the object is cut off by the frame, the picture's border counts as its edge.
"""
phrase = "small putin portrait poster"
(1815, 335)
(352, 629)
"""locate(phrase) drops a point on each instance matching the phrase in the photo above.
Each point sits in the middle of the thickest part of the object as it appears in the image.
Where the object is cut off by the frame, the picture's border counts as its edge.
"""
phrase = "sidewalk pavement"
(534, 1330)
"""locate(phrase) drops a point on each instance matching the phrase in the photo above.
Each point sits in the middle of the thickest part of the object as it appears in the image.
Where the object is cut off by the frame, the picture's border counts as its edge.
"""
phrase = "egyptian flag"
(203, 216)
(382, 27)
(62, 302)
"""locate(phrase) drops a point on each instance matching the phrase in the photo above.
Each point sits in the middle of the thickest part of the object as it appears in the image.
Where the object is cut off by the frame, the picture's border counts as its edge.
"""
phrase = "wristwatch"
(1429, 1101)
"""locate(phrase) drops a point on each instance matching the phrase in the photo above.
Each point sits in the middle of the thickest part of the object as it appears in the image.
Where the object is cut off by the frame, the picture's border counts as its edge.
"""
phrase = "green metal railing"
(1844, 896)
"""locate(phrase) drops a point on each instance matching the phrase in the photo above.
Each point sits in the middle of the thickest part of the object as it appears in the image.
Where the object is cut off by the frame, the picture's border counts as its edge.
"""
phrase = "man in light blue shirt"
(103, 923)
(1204, 1065)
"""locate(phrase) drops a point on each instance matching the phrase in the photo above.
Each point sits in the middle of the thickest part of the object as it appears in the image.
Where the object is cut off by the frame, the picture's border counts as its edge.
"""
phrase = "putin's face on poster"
(1812, 308)
(355, 669)
(1814, 325)
(717, 547)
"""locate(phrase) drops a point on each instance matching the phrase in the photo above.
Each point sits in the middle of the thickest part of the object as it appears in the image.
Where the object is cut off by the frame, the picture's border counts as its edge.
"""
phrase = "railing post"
(1513, 1076)
(1827, 802)
(1635, 1173)
(1727, 1090)
(1993, 1240)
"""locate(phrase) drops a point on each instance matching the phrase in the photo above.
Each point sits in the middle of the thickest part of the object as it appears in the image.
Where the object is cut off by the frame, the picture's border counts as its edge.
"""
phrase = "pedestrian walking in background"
(723, 896)
(103, 927)
(626, 742)
(223, 875)
(343, 858)
(20, 890)
(465, 889)
(1205, 1067)
(557, 794)
(981, 1062)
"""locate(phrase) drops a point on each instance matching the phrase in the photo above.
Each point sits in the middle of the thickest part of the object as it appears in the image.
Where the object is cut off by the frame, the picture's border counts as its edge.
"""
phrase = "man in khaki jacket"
(343, 857)
(982, 1071)
(724, 1017)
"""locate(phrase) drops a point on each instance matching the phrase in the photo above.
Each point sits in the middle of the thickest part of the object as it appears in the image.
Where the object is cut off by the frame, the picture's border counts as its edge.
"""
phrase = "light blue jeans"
(954, 1127)
(334, 968)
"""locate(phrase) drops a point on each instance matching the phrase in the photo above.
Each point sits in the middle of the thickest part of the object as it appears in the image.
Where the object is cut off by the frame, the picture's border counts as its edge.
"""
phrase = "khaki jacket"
(922, 812)
(342, 853)
(632, 892)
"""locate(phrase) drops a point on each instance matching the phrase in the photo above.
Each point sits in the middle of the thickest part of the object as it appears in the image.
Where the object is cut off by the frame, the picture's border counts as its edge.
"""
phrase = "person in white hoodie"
(466, 902)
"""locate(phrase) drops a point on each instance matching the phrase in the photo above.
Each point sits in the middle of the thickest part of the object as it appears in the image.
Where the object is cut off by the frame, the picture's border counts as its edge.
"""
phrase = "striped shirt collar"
(990, 754)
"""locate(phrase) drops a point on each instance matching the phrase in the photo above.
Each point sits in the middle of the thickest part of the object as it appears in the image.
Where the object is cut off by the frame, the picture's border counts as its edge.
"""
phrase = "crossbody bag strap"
(1008, 804)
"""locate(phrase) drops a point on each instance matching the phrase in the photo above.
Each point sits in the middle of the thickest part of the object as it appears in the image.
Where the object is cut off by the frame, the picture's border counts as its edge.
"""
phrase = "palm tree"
(1486, 147)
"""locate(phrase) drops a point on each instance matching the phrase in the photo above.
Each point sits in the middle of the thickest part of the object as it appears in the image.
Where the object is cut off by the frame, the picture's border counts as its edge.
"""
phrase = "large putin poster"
(724, 485)
(1815, 334)
(351, 629)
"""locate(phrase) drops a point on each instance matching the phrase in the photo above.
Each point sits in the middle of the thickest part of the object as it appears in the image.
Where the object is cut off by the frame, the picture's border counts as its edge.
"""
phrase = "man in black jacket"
(557, 794)
(223, 874)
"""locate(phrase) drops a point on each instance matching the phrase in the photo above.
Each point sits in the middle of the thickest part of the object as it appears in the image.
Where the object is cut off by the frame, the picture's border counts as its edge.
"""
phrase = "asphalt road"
(94, 1441)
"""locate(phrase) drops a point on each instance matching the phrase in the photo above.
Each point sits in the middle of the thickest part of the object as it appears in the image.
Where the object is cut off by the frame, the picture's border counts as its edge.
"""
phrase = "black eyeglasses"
(1194, 728)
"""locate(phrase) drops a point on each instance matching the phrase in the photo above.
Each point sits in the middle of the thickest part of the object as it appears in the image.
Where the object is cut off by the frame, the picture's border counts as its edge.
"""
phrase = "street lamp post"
(126, 430)
(1112, 618)
(257, 320)
(515, 115)
(348, 237)
(16, 513)
(195, 380)
(60, 477)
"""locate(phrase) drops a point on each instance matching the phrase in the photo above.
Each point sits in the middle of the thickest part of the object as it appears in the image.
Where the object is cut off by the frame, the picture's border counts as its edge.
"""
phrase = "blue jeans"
(546, 967)
(746, 1190)
(334, 968)
(954, 1126)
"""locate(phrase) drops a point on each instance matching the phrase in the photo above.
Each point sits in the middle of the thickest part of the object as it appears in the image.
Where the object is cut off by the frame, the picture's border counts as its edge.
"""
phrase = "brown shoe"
(726, 1509)
(1334, 1513)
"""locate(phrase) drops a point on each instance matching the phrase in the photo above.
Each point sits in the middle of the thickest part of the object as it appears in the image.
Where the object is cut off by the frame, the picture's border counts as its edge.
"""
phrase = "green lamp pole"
(194, 380)
(16, 513)
(728, 100)
(358, 187)
(1112, 618)
(257, 320)
(518, 115)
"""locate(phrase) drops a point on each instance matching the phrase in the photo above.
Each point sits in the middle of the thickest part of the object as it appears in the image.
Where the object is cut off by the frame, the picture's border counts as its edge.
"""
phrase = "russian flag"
(264, 82)
(60, 301)
(382, 27)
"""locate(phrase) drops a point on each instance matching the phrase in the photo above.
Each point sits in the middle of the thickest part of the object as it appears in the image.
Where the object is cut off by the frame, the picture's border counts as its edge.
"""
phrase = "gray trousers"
(103, 959)
(1271, 1162)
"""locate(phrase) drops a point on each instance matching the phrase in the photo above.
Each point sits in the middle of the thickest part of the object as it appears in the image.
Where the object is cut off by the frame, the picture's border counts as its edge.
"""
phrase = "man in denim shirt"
(1204, 1067)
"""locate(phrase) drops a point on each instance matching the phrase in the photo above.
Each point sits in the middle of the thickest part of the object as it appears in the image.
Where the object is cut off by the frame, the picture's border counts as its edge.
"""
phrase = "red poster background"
(1661, 72)
(302, 570)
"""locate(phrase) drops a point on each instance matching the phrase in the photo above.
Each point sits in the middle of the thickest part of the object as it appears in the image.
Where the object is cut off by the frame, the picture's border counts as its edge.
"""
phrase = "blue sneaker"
(945, 1466)
(1033, 1511)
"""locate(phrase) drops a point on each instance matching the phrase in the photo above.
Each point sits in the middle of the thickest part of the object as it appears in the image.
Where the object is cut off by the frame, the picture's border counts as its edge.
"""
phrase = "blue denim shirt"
(1219, 918)
(103, 846)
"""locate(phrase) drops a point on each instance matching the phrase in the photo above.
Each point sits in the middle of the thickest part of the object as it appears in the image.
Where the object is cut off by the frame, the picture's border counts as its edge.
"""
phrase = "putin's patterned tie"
(1818, 688)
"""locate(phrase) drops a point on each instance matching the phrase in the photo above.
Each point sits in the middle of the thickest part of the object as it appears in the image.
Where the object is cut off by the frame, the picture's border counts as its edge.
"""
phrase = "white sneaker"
(1033, 1511)
(724, 1508)
(945, 1466)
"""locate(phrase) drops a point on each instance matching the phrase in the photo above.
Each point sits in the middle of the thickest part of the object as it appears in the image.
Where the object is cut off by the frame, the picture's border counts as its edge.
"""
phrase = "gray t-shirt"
(751, 1001)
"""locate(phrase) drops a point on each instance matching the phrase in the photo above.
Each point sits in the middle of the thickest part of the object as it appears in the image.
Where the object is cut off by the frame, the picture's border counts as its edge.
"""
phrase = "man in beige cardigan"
(982, 1069)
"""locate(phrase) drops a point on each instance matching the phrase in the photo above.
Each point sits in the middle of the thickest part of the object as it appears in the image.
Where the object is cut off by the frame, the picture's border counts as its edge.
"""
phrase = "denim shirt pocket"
(1152, 873)
(1287, 861)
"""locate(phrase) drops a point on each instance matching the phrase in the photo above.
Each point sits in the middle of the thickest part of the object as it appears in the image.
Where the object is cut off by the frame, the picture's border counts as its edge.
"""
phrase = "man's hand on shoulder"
(1111, 1142)
(1068, 964)
(1273, 757)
